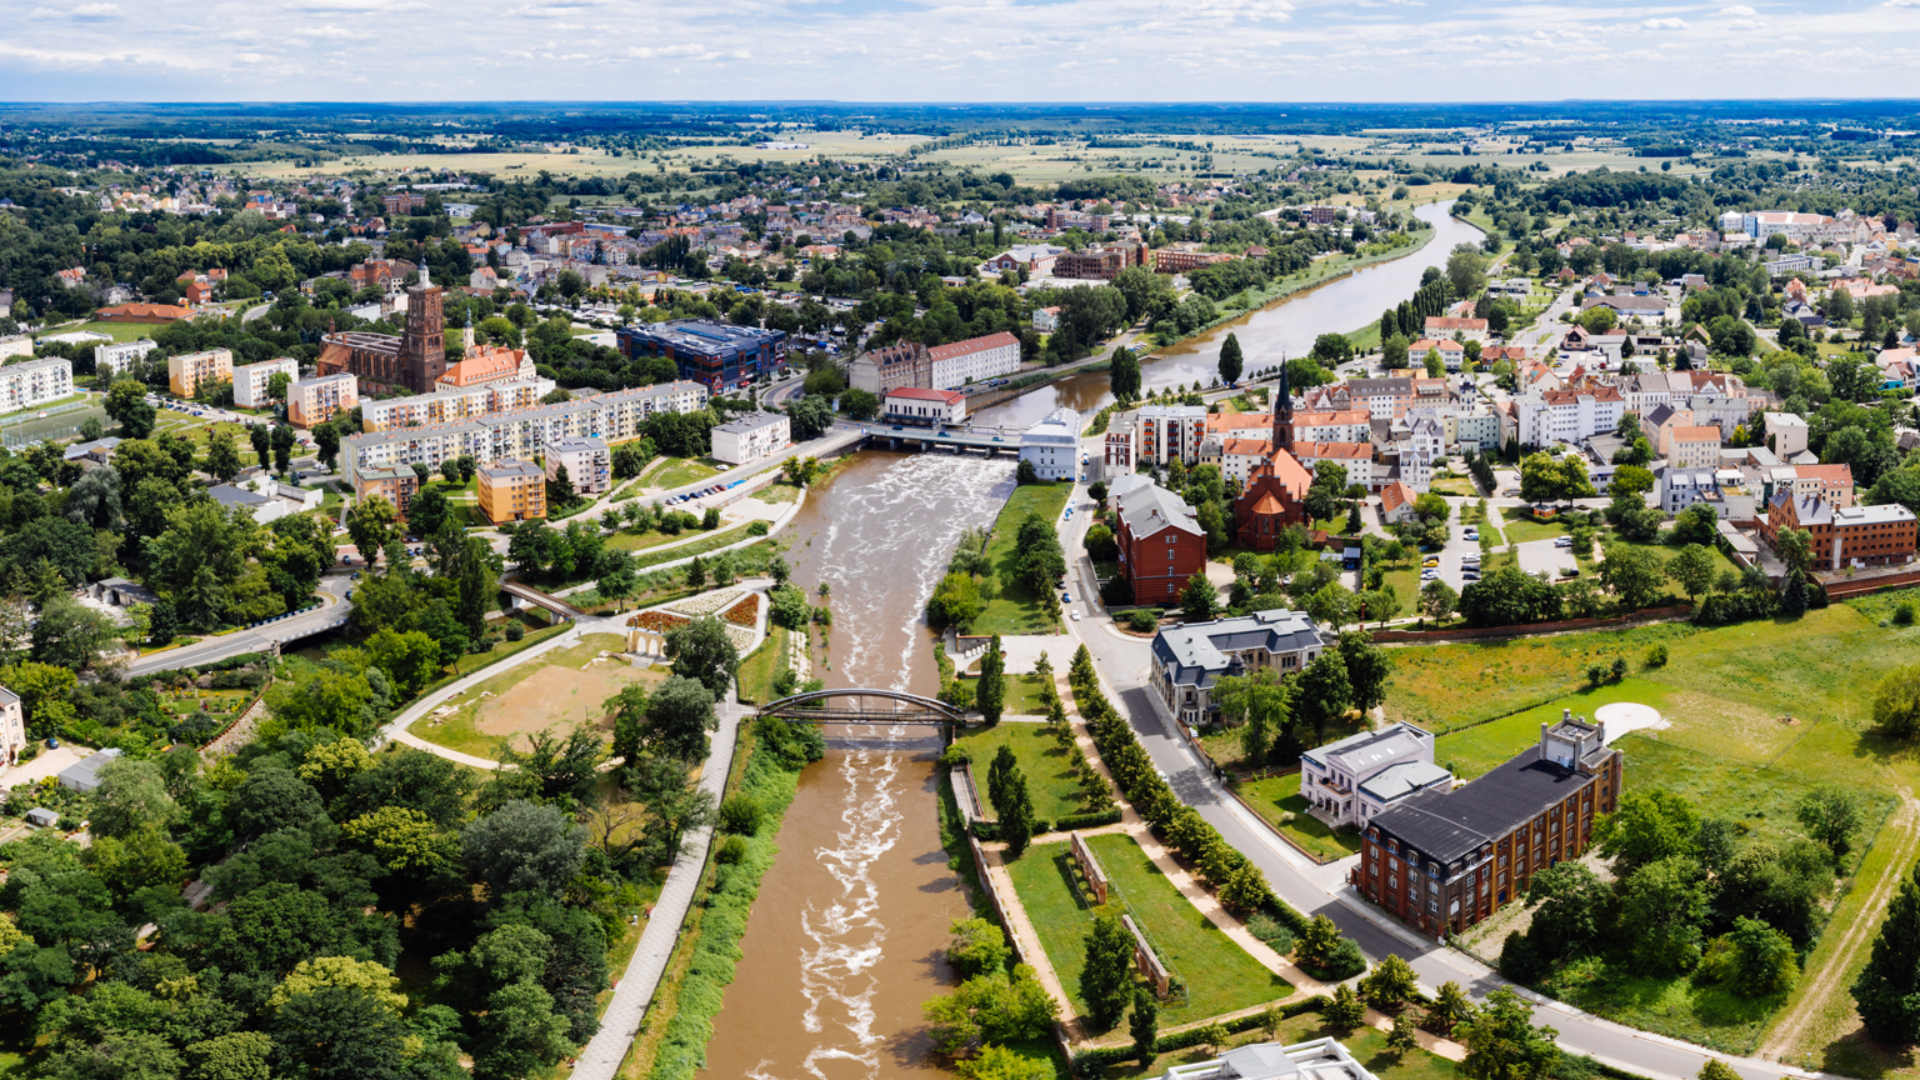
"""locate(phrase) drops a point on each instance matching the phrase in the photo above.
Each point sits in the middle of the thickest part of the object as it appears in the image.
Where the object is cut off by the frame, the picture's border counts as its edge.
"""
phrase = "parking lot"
(1543, 556)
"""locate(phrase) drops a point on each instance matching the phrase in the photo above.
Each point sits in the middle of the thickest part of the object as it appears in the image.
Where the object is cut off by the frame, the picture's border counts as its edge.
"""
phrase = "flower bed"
(706, 603)
(741, 636)
(745, 613)
(658, 621)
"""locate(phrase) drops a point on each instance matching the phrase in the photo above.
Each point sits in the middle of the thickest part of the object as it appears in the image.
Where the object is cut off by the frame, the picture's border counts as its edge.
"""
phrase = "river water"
(846, 939)
(1267, 336)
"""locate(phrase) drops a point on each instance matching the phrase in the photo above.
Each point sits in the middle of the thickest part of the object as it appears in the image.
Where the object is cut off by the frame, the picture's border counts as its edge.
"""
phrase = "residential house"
(1356, 458)
(751, 436)
(1351, 781)
(1441, 326)
(1396, 503)
(311, 402)
(1162, 545)
(1188, 661)
(251, 382)
(973, 360)
(109, 359)
(1567, 416)
(512, 490)
(1452, 353)
(921, 405)
(884, 370)
(35, 383)
(1786, 434)
(1856, 535)
(13, 728)
(186, 372)
(1834, 483)
(588, 462)
(1693, 447)
(1052, 446)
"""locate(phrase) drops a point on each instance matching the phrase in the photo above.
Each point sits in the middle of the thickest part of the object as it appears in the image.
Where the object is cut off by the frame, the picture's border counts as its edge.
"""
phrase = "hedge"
(1095, 1061)
(1087, 821)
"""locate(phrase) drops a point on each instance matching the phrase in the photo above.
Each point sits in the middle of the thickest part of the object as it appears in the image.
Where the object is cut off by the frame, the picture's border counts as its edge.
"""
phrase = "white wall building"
(34, 383)
(1053, 445)
(13, 728)
(250, 380)
(974, 360)
(1567, 416)
(752, 436)
(588, 462)
(1349, 781)
(112, 359)
(919, 405)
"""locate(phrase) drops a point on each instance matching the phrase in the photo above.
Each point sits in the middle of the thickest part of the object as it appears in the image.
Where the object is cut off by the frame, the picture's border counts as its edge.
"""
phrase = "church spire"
(1283, 413)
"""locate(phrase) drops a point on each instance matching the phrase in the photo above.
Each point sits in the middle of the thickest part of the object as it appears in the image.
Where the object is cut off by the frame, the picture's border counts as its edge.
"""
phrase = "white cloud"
(1738, 11)
(639, 53)
(1664, 24)
(335, 32)
(84, 11)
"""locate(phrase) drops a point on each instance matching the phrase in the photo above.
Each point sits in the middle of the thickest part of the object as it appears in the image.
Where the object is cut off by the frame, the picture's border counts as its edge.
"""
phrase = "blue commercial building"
(716, 355)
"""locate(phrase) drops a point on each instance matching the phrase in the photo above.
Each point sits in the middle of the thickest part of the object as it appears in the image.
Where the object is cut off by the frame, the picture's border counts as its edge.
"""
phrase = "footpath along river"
(845, 940)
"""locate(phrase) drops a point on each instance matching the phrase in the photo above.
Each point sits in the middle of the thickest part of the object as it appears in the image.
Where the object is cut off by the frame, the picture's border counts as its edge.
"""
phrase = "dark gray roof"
(1198, 651)
(1151, 509)
(1448, 825)
(229, 495)
(1395, 781)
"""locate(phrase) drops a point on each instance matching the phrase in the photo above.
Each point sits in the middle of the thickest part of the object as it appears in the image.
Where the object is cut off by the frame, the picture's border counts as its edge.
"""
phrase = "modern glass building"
(719, 356)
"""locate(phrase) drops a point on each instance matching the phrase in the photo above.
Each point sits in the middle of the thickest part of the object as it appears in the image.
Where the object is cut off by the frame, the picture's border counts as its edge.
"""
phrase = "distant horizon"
(1039, 103)
(922, 51)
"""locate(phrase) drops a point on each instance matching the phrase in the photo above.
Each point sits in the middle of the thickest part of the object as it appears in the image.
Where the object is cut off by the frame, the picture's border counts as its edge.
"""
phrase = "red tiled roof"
(1394, 496)
(973, 345)
(921, 393)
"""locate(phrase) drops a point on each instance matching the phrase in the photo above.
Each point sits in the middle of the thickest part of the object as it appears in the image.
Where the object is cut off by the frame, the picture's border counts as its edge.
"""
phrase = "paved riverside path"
(603, 1056)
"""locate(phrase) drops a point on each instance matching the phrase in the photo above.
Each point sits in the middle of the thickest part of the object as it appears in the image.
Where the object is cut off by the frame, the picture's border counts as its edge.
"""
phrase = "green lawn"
(119, 331)
(762, 666)
(1220, 976)
(1278, 799)
(1008, 608)
(1455, 485)
(1526, 530)
(712, 542)
(679, 472)
(778, 492)
(1050, 782)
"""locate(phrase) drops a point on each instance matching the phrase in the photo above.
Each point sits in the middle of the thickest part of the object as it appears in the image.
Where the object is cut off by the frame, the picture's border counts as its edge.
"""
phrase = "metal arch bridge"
(898, 707)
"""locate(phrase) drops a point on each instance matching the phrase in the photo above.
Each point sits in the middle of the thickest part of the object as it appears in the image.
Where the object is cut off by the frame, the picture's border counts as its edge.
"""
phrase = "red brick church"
(1276, 492)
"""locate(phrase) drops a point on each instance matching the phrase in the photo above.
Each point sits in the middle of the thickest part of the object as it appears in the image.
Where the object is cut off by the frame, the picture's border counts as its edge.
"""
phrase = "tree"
(70, 635)
(372, 524)
(990, 692)
(127, 406)
(1199, 600)
(1648, 827)
(1715, 1069)
(1693, 570)
(338, 1032)
(1258, 703)
(1831, 815)
(1764, 961)
(1402, 1039)
(701, 650)
(1368, 668)
(1572, 901)
(1345, 1012)
(522, 847)
(1795, 548)
(223, 460)
(1663, 907)
(679, 715)
(1438, 600)
(132, 797)
(1451, 1007)
(560, 489)
(520, 1033)
(1896, 704)
(1634, 576)
(1467, 271)
(977, 947)
(240, 1055)
(1144, 1024)
(1323, 693)
(1503, 1044)
(1391, 985)
(1123, 378)
(1887, 992)
(1107, 978)
(1231, 362)
(1631, 480)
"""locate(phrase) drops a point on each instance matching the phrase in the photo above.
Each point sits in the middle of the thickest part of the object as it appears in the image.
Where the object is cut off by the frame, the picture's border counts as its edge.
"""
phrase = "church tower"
(423, 348)
(1283, 414)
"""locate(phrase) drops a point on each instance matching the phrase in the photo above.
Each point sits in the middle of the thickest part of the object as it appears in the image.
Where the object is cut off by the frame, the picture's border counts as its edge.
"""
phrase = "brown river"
(846, 939)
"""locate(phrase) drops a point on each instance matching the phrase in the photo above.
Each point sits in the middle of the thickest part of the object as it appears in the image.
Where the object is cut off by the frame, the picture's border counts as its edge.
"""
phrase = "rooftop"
(751, 422)
(511, 468)
(1198, 651)
(1448, 825)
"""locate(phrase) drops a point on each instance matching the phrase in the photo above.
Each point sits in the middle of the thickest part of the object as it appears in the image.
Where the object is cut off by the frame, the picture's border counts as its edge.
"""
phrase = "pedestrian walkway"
(633, 992)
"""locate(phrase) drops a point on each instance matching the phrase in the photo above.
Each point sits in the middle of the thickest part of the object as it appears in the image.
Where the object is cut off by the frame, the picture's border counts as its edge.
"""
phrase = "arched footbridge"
(855, 705)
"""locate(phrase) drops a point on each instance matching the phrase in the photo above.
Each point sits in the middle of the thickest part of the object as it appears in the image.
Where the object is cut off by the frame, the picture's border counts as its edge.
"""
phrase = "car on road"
(1066, 598)
(1563, 541)
(1471, 534)
(1076, 616)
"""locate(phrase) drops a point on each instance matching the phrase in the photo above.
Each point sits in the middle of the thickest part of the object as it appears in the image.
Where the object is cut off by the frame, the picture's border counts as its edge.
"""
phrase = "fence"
(1529, 629)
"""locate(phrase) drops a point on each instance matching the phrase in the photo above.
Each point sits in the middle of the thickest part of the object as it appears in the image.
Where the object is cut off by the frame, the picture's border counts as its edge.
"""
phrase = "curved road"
(1320, 890)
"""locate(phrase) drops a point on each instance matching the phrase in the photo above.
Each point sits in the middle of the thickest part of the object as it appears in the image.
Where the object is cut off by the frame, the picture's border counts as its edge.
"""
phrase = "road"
(1124, 662)
(333, 587)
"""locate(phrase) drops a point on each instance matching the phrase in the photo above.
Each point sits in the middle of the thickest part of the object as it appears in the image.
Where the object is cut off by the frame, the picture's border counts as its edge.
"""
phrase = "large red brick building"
(1865, 534)
(1275, 496)
(1162, 545)
(1445, 860)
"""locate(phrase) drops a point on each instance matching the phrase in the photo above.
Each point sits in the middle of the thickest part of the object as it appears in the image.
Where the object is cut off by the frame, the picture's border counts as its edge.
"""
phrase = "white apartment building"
(1356, 458)
(1053, 445)
(1344, 425)
(316, 401)
(113, 358)
(250, 381)
(614, 417)
(448, 406)
(13, 728)
(17, 345)
(974, 360)
(588, 462)
(34, 383)
(1165, 432)
(750, 437)
(1567, 416)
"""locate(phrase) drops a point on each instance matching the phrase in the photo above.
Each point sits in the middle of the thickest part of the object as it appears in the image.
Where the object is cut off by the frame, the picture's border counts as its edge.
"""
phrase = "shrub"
(732, 850)
(1657, 656)
(1596, 674)
(1619, 668)
(1269, 930)
(515, 631)
(1142, 622)
(1087, 821)
(741, 815)
(1903, 615)
(759, 528)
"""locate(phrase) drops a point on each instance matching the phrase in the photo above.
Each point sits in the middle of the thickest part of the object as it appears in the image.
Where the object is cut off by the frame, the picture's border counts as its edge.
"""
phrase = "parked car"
(1430, 562)
(1563, 542)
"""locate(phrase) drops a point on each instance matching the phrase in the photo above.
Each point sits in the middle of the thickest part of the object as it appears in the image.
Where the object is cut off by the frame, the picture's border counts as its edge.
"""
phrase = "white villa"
(1321, 1059)
(1349, 781)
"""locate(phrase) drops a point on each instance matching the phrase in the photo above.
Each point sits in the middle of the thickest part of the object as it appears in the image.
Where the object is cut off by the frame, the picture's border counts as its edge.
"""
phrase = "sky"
(941, 50)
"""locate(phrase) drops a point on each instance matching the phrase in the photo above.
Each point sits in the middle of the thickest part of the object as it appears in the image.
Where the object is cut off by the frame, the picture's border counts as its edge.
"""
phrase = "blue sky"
(945, 50)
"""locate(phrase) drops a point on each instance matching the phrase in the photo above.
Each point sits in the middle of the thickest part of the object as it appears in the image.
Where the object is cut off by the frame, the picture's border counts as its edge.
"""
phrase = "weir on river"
(845, 941)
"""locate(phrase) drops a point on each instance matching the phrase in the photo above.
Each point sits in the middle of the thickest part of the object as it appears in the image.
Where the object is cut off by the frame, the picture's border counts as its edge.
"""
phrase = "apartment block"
(186, 373)
(512, 490)
(448, 406)
(973, 360)
(250, 381)
(588, 462)
(395, 483)
(114, 358)
(1165, 432)
(752, 436)
(613, 417)
(35, 383)
(316, 401)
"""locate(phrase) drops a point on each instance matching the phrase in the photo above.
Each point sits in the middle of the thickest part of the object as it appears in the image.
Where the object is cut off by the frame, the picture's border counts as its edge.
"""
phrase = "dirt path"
(1830, 980)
